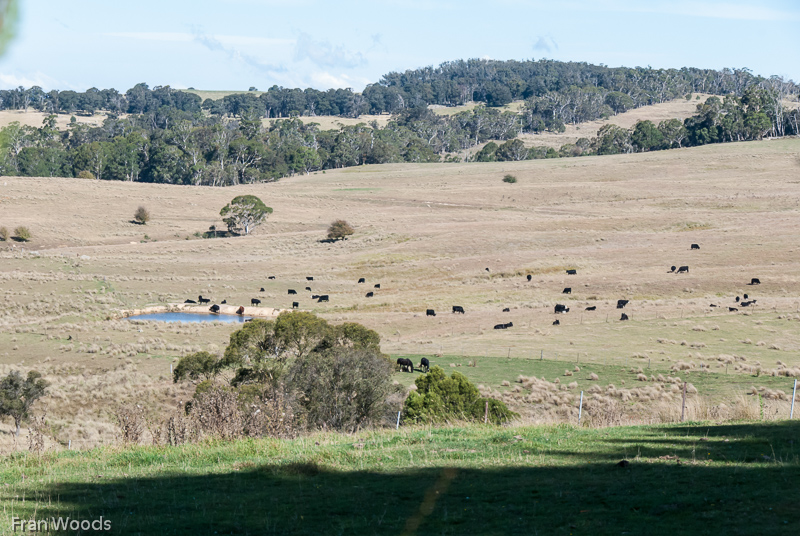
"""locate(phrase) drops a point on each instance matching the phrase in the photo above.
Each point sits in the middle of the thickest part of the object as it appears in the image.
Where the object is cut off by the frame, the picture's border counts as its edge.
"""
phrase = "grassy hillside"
(695, 478)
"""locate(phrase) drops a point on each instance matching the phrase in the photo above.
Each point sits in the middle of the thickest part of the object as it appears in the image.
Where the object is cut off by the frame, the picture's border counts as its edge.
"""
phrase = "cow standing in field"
(755, 281)
(292, 291)
(430, 312)
(458, 309)
(370, 294)
(271, 277)
(309, 278)
(567, 290)
(203, 300)
(424, 364)
(529, 277)
(561, 308)
(323, 298)
(295, 305)
(623, 317)
(240, 310)
(507, 310)
(621, 304)
(362, 280)
(683, 270)
(556, 322)
(255, 301)
(695, 246)
(405, 364)
(214, 308)
(572, 272)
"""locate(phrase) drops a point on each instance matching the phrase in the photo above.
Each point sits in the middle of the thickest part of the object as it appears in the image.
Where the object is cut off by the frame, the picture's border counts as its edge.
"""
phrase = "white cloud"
(14, 80)
(324, 54)
(326, 80)
(545, 43)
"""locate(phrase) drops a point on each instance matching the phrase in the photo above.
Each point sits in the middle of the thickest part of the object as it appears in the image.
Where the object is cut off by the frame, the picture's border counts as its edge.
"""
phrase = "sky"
(238, 44)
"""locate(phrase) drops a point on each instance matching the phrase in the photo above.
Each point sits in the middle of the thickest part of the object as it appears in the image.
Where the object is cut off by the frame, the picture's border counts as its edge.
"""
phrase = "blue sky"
(235, 44)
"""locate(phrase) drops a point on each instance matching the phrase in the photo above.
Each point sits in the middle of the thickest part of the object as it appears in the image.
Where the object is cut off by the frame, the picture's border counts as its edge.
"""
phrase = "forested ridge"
(171, 136)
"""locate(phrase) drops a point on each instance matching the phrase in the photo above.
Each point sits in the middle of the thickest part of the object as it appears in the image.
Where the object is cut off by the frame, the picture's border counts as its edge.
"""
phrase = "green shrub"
(85, 174)
(511, 179)
(22, 234)
(4, 234)
(439, 398)
(141, 216)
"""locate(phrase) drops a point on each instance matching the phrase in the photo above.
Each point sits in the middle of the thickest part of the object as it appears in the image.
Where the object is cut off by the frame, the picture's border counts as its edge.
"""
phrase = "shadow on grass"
(650, 496)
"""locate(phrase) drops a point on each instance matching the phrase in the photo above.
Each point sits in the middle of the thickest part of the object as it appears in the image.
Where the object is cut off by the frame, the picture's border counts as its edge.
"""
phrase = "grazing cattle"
(292, 291)
(214, 308)
(309, 278)
(314, 296)
(203, 300)
(623, 317)
(255, 301)
(567, 290)
(683, 270)
(695, 246)
(370, 294)
(748, 303)
(732, 309)
(424, 364)
(510, 325)
(672, 269)
(295, 305)
(561, 308)
(488, 270)
(621, 304)
(430, 312)
(308, 289)
(223, 302)
(572, 272)
(755, 281)
(377, 285)
(271, 277)
(745, 296)
(405, 364)
(507, 310)
(592, 308)
(529, 277)
(362, 280)
(240, 310)
(262, 289)
(556, 322)
(500, 326)
(190, 301)
(713, 305)
(458, 309)
(737, 299)
(322, 298)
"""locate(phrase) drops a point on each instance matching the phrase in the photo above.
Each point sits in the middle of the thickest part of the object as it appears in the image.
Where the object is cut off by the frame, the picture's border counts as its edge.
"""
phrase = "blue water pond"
(190, 317)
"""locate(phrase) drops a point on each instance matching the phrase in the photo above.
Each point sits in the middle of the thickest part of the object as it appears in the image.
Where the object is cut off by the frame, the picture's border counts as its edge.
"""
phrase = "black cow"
(623, 317)
(223, 302)
(683, 270)
(309, 278)
(745, 296)
(488, 270)
(506, 310)
(405, 364)
(240, 310)
(255, 301)
(458, 309)
(190, 301)
(592, 308)
(732, 309)
(572, 272)
(370, 294)
(556, 322)
(308, 289)
(203, 300)
(314, 296)
(695, 246)
(500, 326)
(424, 364)
(322, 298)
(672, 269)
(295, 305)
(362, 280)
(510, 325)
(377, 285)
(713, 305)
(621, 304)
(567, 290)
(529, 277)
(214, 308)
(430, 312)
(271, 277)
(262, 289)
(737, 299)
(755, 281)
(292, 291)
(748, 303)
(561, 308)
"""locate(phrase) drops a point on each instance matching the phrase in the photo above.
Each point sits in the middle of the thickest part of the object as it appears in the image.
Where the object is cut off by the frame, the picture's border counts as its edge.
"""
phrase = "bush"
(439, 398)
(4, 234)
(85, 174)
(22, 234)
(339, 230)
(511, 179)
(142, 215)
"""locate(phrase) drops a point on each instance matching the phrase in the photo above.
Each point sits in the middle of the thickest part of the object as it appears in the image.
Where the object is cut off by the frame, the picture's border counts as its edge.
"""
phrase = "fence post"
(69, 446)
(541, 357)
(683, 404)
(580, 409)
(794, 393)
(486, 413)
(509, 353)
(397, 427)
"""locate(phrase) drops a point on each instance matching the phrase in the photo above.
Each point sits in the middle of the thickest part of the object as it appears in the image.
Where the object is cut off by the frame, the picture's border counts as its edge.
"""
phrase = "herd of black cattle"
(405, 364)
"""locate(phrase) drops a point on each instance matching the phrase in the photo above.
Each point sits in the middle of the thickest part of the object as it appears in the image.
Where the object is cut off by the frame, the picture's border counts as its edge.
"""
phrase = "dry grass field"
(33, 118)
(427, 234)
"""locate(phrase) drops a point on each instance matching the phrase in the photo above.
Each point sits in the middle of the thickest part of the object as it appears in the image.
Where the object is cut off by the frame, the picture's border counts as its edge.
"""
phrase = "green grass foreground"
(695, 478)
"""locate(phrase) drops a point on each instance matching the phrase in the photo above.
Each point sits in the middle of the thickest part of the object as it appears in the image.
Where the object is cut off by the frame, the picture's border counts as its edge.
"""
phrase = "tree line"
(167, 145)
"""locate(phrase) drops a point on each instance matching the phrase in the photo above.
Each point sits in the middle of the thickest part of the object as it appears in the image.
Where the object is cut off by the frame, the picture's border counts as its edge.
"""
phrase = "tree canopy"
(18, 394)
(244, 213)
